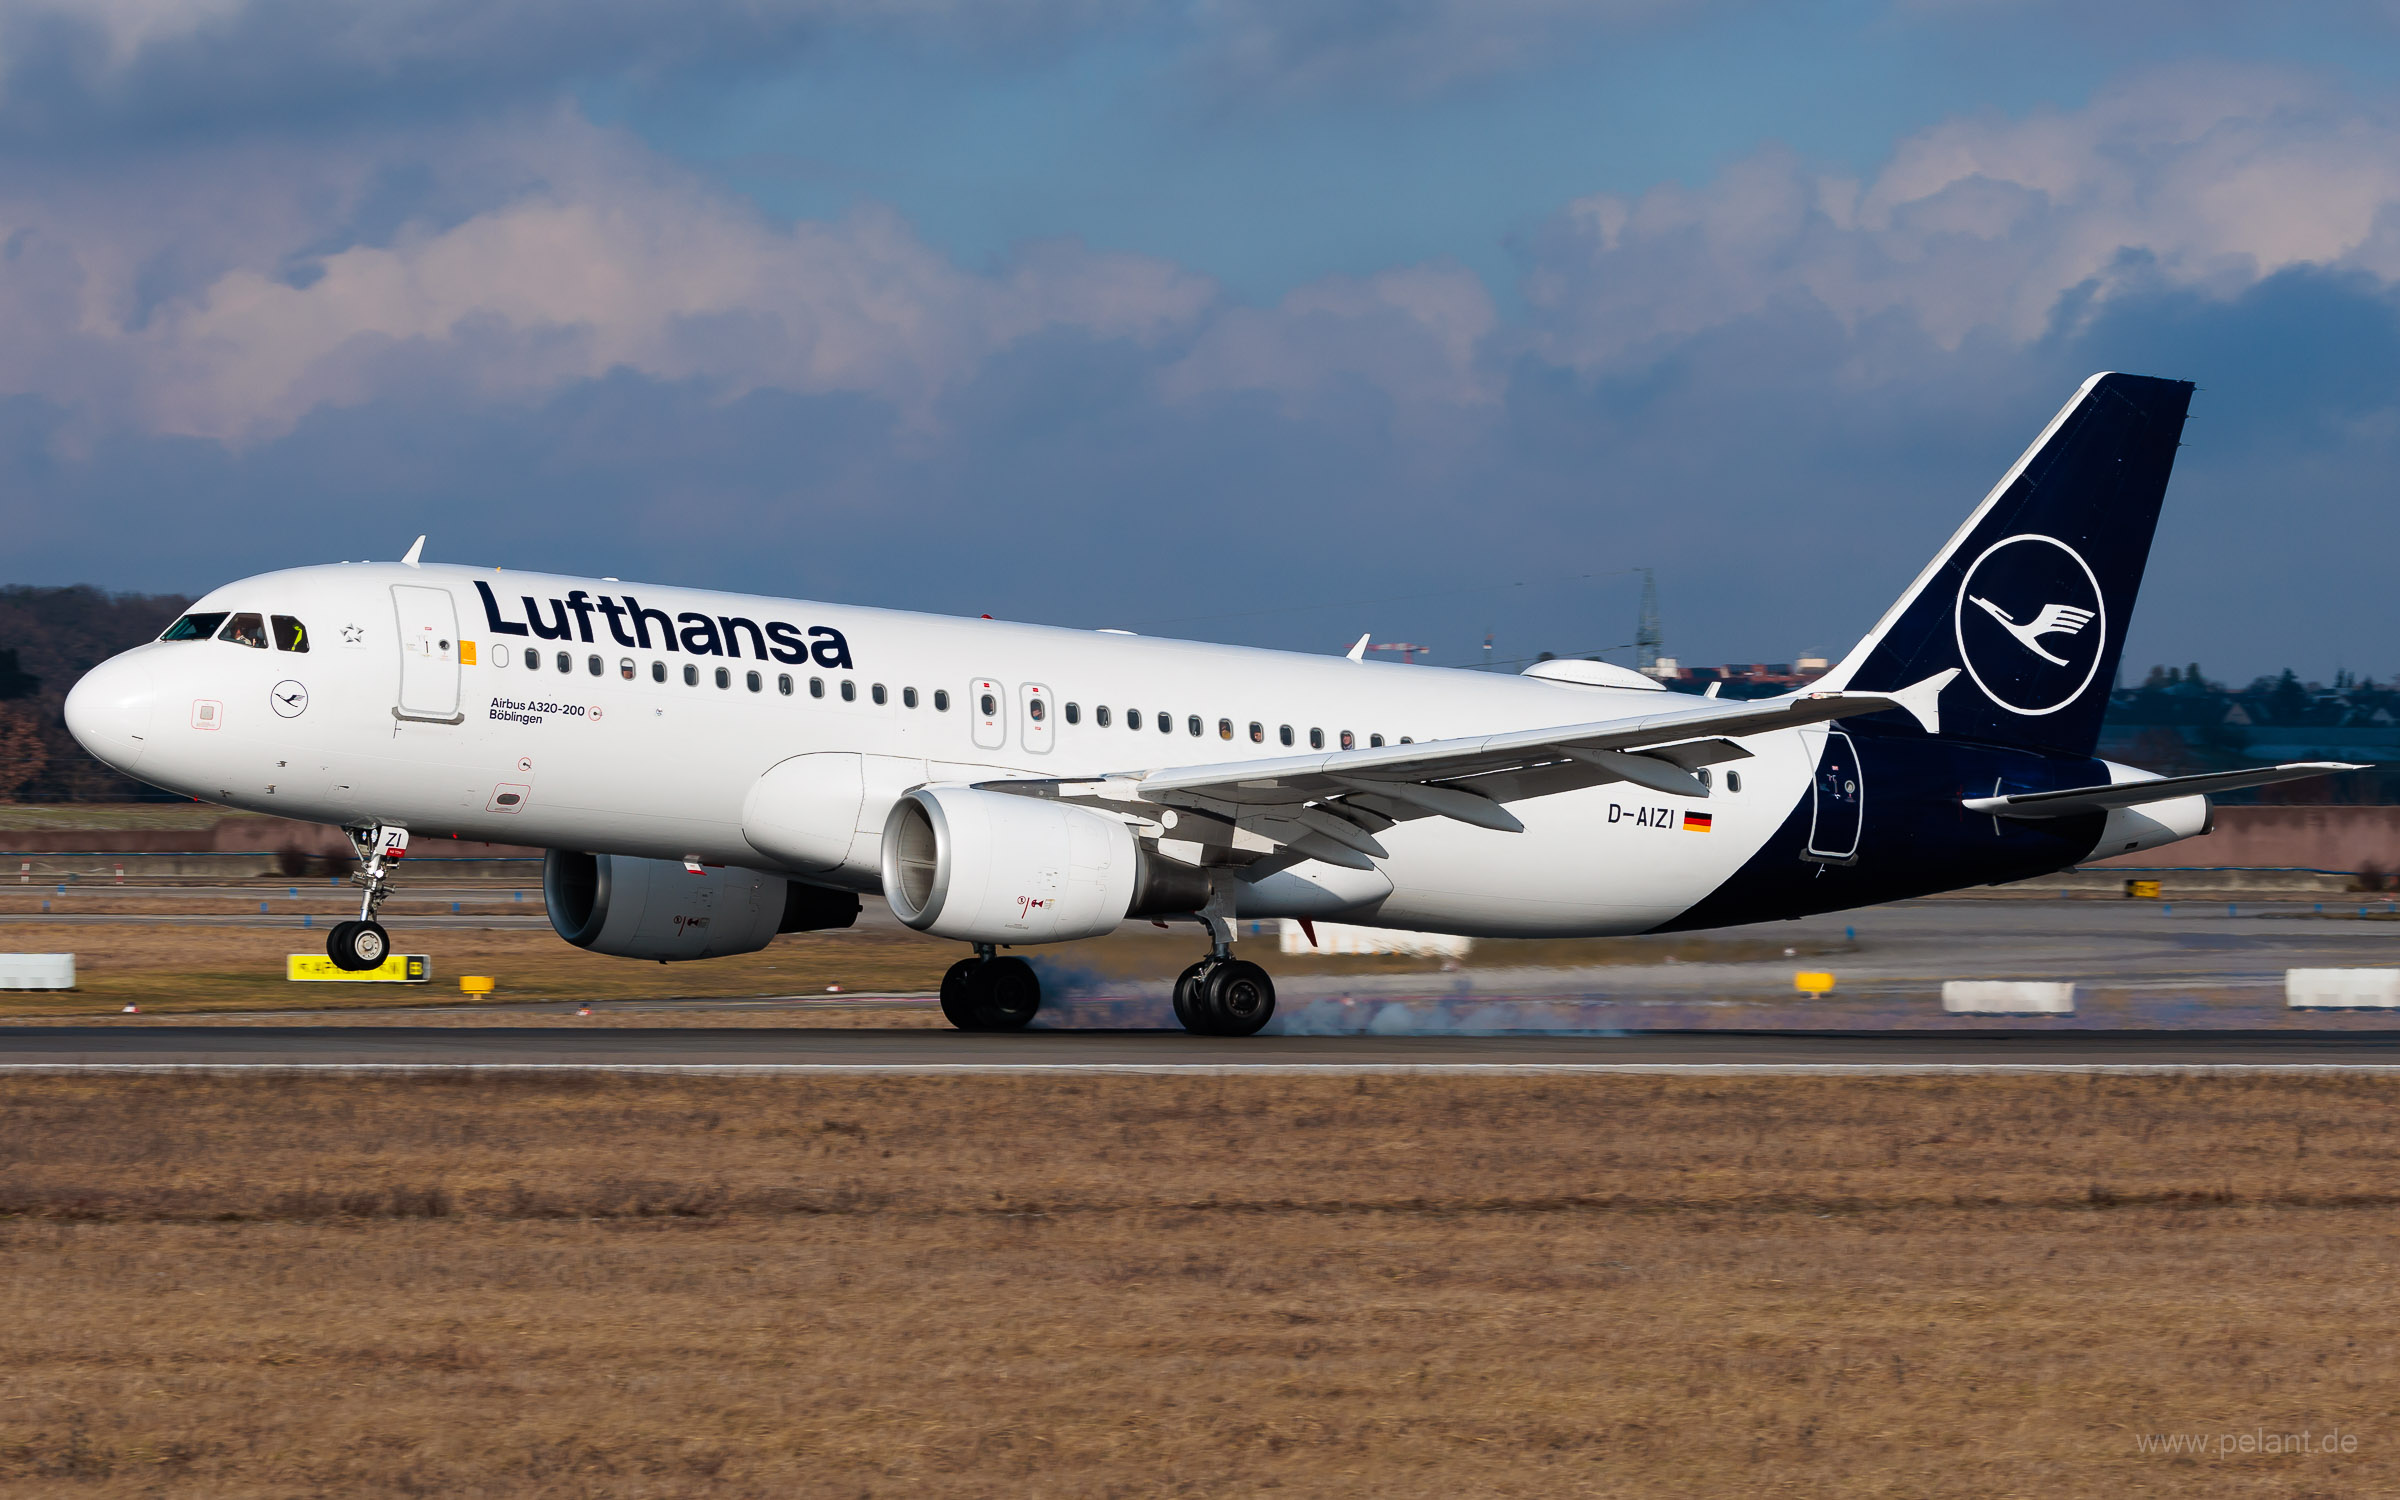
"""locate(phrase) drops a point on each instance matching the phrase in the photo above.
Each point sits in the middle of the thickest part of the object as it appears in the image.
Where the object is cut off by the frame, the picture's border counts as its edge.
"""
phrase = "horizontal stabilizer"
(2078, 801)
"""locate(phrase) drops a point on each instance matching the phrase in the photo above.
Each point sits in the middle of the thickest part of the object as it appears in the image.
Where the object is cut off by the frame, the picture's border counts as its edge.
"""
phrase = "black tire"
(1188, 1012)
(1008, 994)
(958, 994)
(1238, 998)
(356, 947)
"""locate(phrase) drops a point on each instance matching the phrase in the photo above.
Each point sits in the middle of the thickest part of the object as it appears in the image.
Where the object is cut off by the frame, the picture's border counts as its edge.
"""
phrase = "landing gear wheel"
(1188, 1013)
(1236, 997)
(1009, 993)
(958, 997)
(991, 994)
(358, 946)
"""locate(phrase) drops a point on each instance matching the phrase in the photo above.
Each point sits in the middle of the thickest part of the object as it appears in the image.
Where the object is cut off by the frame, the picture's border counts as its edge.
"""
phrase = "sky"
(1267, 321)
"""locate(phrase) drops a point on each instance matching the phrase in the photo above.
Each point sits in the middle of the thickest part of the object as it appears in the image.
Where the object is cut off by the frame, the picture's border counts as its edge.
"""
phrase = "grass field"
(1426, 1286)
(168, 967)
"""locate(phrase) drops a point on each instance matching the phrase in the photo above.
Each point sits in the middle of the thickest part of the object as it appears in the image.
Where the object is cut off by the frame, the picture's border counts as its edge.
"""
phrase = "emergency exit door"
(428, 654)
(1841, 799)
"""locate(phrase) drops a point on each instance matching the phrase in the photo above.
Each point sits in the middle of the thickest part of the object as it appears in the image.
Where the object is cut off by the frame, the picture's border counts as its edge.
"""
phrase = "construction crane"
(1646, 636)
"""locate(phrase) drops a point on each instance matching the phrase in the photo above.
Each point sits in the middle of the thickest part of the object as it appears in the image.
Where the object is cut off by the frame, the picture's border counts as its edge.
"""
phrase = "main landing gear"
(363, 944)
(1222, 995)
(987, 993)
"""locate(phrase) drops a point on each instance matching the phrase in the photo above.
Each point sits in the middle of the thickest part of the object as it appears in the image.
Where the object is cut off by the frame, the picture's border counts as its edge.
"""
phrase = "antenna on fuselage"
(415, 552)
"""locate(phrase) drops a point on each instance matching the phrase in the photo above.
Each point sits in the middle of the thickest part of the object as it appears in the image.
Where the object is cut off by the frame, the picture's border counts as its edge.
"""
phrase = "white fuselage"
(618, 762)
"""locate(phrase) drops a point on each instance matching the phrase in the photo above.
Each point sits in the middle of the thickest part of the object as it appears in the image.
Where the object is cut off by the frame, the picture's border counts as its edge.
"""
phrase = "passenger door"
(1841, 797)
(428, 654)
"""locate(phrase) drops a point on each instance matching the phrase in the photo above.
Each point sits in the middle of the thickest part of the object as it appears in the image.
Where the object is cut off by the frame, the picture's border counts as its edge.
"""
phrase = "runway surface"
(717, 1049)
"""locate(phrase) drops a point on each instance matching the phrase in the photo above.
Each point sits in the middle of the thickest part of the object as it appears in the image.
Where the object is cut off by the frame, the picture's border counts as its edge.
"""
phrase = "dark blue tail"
(2032, 596)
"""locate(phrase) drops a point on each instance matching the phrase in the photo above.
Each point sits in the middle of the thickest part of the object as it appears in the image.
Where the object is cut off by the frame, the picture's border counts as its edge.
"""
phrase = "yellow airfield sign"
(400, 968)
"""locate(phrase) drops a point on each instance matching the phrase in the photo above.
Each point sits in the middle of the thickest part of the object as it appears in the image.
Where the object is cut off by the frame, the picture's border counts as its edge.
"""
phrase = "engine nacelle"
(993, 867)
(657, 908)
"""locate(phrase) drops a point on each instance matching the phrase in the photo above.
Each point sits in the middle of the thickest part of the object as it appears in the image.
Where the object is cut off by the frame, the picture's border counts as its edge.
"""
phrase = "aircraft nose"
(110, 709)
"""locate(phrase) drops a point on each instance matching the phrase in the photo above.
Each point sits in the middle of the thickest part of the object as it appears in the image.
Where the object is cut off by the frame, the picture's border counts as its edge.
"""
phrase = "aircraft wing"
(2076, 801)
(1329, 805)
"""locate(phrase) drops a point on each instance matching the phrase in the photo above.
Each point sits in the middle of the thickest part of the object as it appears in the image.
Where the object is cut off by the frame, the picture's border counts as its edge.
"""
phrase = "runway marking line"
(932, 1070)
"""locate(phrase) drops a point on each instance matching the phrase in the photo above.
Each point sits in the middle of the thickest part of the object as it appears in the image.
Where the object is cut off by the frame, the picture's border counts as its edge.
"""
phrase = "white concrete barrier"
(2341, 989)
(1336, 937)
(2007, 997)
(37, 971)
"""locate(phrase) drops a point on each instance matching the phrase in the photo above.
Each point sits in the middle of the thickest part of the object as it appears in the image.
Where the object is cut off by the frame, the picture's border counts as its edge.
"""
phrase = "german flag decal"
(1694, 822)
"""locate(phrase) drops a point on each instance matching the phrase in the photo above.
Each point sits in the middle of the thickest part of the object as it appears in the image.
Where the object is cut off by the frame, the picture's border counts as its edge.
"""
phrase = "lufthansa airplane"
(708, 770)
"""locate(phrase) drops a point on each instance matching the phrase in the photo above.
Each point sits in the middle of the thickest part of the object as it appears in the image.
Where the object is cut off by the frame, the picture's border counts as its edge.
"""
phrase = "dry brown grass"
(588, 1285)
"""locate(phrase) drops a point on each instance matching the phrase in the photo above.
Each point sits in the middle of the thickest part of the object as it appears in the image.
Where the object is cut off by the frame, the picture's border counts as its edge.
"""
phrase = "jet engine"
(993, 867)
(658, 908)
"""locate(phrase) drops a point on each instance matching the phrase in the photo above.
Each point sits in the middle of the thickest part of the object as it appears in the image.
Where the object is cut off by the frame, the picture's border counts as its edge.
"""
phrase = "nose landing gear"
(362, 945)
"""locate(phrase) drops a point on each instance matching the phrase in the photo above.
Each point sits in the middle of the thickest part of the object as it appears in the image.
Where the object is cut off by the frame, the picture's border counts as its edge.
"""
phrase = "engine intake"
(657, 908)
(993, 867)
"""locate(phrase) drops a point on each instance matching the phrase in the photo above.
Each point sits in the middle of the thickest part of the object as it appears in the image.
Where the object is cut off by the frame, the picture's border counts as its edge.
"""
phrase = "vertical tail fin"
(2031, 597)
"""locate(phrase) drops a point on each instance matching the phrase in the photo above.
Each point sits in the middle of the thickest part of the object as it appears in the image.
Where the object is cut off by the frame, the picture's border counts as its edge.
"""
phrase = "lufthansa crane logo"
(2032, 625)
(289, 698)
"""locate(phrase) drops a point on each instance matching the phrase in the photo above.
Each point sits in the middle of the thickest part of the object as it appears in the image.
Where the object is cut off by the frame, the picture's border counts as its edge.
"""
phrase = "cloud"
(2204, 177)
(76, 69)
(1407, 47)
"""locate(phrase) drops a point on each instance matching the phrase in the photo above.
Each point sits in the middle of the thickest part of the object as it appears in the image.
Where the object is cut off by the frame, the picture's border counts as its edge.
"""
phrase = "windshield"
(290, 634)
(245, 630)
(194, 627)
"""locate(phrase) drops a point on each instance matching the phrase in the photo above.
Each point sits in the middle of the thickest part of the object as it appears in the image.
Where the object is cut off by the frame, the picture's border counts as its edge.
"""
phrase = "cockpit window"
(194, 627)
(290, 634)
(245, 630)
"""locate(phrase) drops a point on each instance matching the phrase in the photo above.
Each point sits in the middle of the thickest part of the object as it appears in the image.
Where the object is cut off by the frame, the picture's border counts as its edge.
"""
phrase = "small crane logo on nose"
(289, 698)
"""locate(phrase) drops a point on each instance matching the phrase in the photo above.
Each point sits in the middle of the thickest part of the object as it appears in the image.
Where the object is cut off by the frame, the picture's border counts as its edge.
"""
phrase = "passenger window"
(941, 700)
(691, 676)
(625, 669)
(1074, 713)
(500, 656)
(290, 634)
(1224, 729)
(908, 698)
(245, 630)
(849, 691)
(1035, 711)
(1133, 718)
(816, 687)
(1405, 740)
(1375, 741)
(1733, 781)
(1100, 716)
(1702, 773)
(1285, 734)
(1349, 740)
(753, 681)
(194, 627)
(783, 683)
(724, 677)
(879, 695)
(1258, 733)
(594, 665)
(1166, 724)
(658, 671)
(987, 705)
(1316, 739)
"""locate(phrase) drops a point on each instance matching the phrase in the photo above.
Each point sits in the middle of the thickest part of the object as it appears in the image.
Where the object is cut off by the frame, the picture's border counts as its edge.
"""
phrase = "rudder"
(2032, 594)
